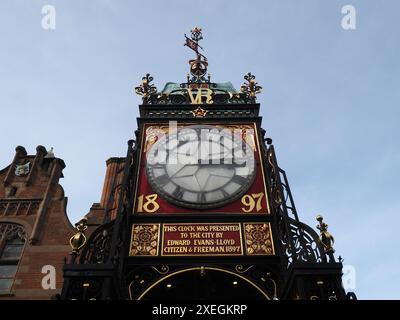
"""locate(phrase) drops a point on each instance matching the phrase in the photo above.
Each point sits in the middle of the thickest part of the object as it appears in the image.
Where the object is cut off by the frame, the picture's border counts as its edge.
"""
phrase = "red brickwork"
(34, 199)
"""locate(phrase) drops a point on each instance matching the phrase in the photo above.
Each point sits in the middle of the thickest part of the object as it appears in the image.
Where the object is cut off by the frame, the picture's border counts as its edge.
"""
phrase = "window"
(12, 241)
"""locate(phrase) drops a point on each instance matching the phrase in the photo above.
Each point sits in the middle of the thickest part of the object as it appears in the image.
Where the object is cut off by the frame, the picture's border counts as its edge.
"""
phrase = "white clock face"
(200, 167)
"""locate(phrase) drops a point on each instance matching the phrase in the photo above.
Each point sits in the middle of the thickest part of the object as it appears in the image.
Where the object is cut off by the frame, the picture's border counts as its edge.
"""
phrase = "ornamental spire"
(198, 66)
(250, 88)
(198, 88)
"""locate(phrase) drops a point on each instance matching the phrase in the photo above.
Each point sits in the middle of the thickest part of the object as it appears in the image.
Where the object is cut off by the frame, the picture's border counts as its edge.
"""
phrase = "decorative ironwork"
(226, 112)
(82, 289)
(241, 269)
(163, 269)
(300, 243)
(140, 278)
(306, 247)
(98, 249)
(78, 240)
(270, 282)
(263, 277)
(333, 296)
(251, 87)
(143, 277)
(146, 89)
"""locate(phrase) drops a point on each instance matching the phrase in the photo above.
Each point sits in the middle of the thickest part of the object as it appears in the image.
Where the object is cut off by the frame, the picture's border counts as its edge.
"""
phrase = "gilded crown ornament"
(146, 88)
(78, 240)
(250, 87)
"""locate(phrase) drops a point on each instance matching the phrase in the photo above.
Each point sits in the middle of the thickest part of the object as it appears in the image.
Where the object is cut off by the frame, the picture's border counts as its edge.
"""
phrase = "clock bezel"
(206, 206)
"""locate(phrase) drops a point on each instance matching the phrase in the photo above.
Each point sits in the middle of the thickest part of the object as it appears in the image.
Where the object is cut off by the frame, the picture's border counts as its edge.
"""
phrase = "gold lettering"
(199, 95)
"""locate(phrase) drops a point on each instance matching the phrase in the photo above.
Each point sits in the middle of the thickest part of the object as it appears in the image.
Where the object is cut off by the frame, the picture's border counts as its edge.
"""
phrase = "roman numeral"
(162, 180)
(178, 193)
(224, 193)
(201, 197)
(158, 166)
(239, 180)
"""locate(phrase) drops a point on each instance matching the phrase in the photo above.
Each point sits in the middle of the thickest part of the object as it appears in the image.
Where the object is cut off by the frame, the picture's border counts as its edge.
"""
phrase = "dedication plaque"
(201, 239)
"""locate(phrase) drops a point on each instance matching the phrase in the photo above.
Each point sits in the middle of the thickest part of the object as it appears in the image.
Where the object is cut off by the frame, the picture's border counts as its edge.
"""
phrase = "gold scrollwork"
(145, 240)
(240, 268)
(164, 269)
(153, 134)
(143, 294)
(273, 283)
(258, 239)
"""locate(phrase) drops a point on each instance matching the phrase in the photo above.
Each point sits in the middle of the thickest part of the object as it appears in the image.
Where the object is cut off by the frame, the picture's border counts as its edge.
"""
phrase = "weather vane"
(198, 66)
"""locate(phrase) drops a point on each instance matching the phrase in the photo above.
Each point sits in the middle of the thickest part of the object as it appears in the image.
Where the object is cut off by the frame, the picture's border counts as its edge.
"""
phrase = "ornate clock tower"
(199, 208)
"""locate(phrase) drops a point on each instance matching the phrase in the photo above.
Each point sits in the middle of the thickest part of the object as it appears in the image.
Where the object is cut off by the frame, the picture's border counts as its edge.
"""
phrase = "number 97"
(252, 201)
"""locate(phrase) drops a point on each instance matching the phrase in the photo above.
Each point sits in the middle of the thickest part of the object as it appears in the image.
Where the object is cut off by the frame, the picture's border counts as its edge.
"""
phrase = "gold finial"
(251, 87)
(78, 240)
(146, 88)
(326, 238)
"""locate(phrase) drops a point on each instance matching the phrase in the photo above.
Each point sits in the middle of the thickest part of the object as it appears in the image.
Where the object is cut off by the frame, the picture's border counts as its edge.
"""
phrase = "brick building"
(34, 227)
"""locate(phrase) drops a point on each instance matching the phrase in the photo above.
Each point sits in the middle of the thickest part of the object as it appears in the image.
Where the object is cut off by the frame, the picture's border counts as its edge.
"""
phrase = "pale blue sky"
(330, 99)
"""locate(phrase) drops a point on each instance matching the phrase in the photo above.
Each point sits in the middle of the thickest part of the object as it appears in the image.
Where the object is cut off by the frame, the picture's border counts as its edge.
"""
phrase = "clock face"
(200, 167)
